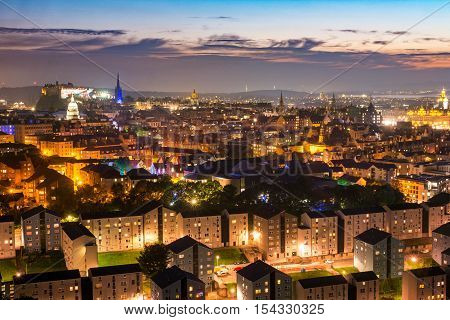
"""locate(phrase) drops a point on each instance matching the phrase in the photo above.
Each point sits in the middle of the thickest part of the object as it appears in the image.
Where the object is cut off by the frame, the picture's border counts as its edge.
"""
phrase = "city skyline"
(216, 47)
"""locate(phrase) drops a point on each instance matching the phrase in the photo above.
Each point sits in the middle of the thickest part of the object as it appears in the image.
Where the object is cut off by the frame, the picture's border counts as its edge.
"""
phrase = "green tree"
(153, 258)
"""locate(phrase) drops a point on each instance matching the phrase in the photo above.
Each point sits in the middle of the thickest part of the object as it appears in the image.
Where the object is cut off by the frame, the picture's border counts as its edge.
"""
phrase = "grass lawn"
(309, 274)
(8, 269)
(116, 258)
(391, 289)
(346, 270)
(228, 255)
(45, 263)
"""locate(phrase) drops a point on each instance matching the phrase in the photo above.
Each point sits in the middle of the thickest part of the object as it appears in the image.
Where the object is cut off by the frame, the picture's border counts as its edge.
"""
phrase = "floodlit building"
(441, 243)
(324, 232)
(7, 241)
(424, 284)
(363, 286)
(322, 288)
(404, 220)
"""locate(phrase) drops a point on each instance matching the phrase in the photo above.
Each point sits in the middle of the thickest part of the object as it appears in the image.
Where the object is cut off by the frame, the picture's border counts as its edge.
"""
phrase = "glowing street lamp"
(217, 259)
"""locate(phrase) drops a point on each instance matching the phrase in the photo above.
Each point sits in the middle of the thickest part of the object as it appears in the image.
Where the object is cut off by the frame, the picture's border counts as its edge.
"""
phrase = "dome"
(72, 110)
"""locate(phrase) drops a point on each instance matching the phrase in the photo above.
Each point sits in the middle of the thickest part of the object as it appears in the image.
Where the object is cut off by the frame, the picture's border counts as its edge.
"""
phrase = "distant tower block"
(118, 91)
(72, 110)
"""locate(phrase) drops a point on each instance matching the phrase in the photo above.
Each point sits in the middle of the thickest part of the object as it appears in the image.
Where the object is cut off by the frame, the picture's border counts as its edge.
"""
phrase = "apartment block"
(380, 252)
(424, 284)
(275, 234)
(304, 240)
(24, 133)
(194, 257)
(41, 230)
(404, 220)
(236, 228)
(441, 243)
(7, 243)
(363, 286)
(205, 227)
(176, 284)
(324, 232)
(79, 247)
(323, 288)
(115, 231)
(353, 222)
(260, 281)
(121, 282)
(152, 213)
(58, 285)
(436, 212)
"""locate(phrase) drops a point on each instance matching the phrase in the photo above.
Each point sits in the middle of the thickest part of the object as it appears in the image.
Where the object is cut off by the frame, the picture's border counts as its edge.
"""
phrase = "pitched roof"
(322, 281)
(38, 210)
(111, 270)
(140, 174)
(372, 236)
(256, 270)
(171, 275)
(444, 229)
(47, 276)
(321, 214)
(74, 230)
(356, 211)
(184, 243)
(438, 200)
(6, 218)
(404, 206)
(104, 215)
(364, 276)
(146, 208)
(428, 272)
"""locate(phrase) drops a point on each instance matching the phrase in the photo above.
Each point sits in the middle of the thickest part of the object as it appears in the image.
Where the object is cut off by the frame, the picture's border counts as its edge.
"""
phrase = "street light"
(217, 258)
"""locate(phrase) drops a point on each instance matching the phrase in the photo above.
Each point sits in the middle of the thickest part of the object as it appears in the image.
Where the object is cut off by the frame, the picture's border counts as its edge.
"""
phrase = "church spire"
(118, 91)
(281, 103)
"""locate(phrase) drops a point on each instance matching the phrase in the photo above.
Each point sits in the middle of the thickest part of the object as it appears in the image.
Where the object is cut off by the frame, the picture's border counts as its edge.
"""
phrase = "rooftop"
(322, 281)
(444, 229)
(171, 275)
(182, 244)
(372, 236)
(364, 276)
(256, 270)
(112, 270)
(428, 272)
(74, 230)
(47, 277)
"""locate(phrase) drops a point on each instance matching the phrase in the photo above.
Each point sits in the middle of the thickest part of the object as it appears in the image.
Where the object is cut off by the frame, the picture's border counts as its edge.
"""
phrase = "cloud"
(355, 31)
(88, 32)
(434, 39)
(396, 33)
(213, 17)
(381, 42)
(144, 47)
(171, 31)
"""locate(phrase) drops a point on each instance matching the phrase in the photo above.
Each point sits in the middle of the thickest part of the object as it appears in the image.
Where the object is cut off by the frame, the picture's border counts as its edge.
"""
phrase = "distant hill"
(28, 95)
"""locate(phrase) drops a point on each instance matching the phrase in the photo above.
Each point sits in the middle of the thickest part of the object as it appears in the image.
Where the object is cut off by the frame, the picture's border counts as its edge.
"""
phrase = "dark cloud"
(382, 42)
(89, 32)
(396, 33)
(171, 31)
(143, 47)
(352, 31)
(213, 17)
(434, 39)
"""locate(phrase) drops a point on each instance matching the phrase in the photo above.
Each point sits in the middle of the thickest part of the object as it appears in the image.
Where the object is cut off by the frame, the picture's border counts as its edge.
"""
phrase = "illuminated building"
(363, 286)
(371, 116)
(79, 247)
(378, 251)
(72, 110)
(404, 220)
(441, 243)
(56, 145)
(205, 227)
(260, 281)
(6, 138)
(23, 131)
(121, 282)
(420, 188)
(443, 100)
(356, 221)
(435, 118)
(237, 226)
(118, 91)
(57, 285)
(194, 257)
(322, 288)
(41, 230)
(436, 212)
(7, 248)
(275, 234)
(176, 284)
(324, 232)
(194, 98)
(424, 284)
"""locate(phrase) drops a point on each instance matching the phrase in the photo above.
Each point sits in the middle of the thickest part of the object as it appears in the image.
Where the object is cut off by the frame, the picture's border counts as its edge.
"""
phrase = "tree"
(153, 258)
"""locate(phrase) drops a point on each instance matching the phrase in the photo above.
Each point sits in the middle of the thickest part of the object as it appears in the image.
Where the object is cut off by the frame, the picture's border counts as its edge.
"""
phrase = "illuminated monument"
(443, 101)
(118, 91)
(194, 98)
(72, 110)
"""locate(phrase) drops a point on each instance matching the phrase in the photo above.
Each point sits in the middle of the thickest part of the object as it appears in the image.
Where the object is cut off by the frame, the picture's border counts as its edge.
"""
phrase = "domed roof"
(72, 103)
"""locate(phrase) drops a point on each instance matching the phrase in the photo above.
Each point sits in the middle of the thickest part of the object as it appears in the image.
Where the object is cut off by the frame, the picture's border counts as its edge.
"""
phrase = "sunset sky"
(220, 46)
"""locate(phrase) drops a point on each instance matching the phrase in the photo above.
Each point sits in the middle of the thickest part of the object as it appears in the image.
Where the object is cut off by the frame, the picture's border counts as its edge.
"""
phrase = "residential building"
(304, 240)
(260, 281)
(323, 288)
(441, 242)
(235, 228)
(152, 213)
(58, 285)
(15, 167)
(275, 234)
(176, 284)
(79, 247)
(436, 212)
(7, 243)
(363, 286)
(41, 230)
(115, 231)
(205, 227)
(194, 257)
(404, 220)
(424, 284)
(121, 282)
(24, 133)
(420, 188)
(324, 232)
(353, 222)
(380, 252)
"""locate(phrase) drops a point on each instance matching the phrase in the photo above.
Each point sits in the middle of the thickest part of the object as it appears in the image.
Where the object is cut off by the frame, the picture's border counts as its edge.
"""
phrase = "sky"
(226, 46)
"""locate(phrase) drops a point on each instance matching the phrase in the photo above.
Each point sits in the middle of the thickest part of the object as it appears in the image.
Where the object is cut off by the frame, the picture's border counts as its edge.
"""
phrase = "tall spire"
(281, 103)
(118, 91)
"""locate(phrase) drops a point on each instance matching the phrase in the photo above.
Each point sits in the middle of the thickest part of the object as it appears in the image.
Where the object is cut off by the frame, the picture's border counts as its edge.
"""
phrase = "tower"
(118, 91)
(72, 110)
(443, 100)
(281, 104)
